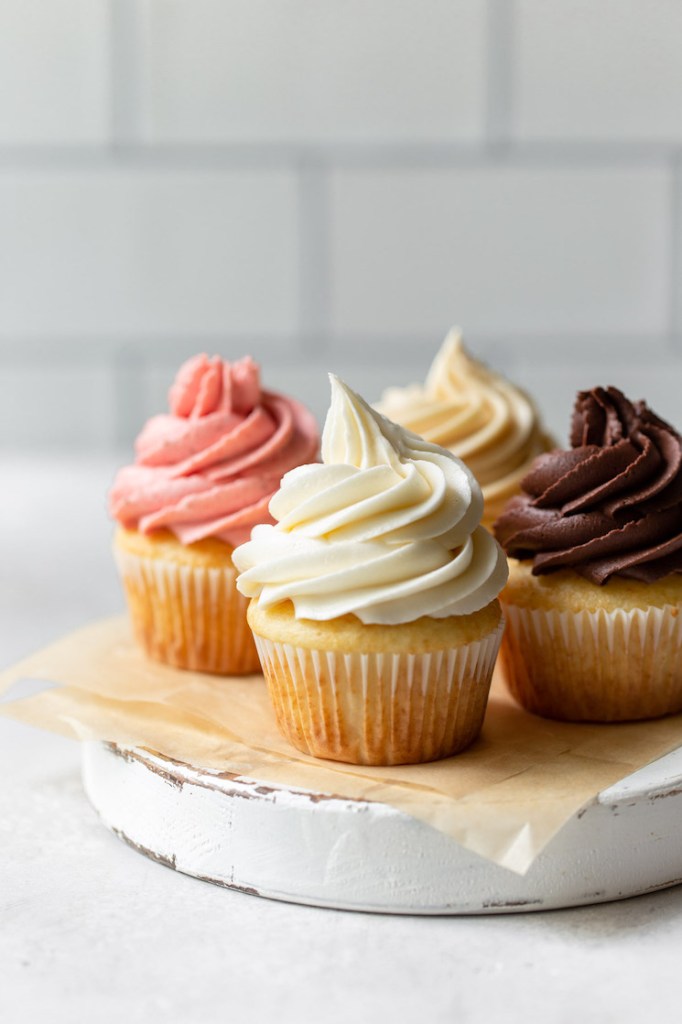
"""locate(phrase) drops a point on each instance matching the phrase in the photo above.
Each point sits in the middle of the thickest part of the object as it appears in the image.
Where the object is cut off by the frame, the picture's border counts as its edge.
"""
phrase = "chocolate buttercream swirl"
(609, 506)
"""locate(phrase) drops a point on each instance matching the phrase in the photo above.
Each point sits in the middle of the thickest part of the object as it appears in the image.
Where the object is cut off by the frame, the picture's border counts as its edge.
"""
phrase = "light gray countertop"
(91, 930)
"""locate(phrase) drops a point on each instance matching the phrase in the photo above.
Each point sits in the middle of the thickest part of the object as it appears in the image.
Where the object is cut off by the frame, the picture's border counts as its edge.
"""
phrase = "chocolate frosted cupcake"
(594, 600)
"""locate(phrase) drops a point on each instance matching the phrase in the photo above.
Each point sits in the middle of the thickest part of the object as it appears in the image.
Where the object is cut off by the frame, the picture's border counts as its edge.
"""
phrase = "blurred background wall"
(329, 184)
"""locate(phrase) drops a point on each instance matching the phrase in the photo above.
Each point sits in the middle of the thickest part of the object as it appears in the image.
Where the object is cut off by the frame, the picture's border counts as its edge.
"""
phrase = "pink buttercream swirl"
(210, 467)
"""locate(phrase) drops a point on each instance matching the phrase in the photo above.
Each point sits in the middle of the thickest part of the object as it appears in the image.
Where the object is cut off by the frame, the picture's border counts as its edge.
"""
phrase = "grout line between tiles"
(126, 154)
(129, 379)
(675, 255)
(549, 348)
(314, 256)
(499, 74)
(124, 73)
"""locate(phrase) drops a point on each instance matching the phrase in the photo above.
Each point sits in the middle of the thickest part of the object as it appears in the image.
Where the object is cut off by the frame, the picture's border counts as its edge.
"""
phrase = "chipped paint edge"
(452, 881)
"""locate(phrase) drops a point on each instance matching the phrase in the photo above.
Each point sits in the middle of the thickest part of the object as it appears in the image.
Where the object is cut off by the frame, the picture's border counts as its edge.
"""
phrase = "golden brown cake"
(576, 651)
(374, 596)
(184, 606)
(376, 694)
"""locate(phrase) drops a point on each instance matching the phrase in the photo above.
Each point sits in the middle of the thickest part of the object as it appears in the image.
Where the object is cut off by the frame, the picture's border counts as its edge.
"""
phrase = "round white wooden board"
(355, 855)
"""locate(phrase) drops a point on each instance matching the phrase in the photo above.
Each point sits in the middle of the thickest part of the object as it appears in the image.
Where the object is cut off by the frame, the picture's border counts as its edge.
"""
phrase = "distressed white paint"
(355, 855)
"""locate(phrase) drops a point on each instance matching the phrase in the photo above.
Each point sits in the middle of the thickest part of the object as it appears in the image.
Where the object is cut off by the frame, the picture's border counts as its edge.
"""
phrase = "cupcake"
(594, 598)
(202, 478)
(487, 422)
(374, 597)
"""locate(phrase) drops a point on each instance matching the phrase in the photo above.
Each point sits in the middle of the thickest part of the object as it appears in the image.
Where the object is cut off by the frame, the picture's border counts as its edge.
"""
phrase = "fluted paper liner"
(503, 798)
(379, 709)
(188, 616)
(595, 666)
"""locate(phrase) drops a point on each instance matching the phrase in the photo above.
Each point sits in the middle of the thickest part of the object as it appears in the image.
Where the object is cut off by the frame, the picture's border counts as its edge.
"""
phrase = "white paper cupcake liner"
(189, 616)
(379, 708)
(595, 666)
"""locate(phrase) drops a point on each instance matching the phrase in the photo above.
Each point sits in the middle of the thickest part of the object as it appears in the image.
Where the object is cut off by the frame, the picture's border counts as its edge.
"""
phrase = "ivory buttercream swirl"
(386, 528)
(210, 467)
(485, 420)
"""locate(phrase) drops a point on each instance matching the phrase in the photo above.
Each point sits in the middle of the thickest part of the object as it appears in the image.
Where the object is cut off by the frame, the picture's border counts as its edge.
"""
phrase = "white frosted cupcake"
(488, 422)
(374, 595)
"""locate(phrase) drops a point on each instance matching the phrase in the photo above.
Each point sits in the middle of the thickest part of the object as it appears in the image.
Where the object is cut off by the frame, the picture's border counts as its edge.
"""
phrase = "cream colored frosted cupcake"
(374, 596)
(202, 478)
(486, 421)
(594, 598)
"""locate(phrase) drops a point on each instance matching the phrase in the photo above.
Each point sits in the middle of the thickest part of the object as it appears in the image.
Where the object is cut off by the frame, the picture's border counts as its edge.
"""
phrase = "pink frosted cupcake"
(202, 478)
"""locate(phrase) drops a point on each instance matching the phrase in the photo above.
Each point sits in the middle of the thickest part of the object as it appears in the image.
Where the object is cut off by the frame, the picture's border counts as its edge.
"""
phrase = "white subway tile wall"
(299, 71)
(599, 69)
(329, 186)
(507, 250)
(54, 72)
(118, 251)
(69, 405)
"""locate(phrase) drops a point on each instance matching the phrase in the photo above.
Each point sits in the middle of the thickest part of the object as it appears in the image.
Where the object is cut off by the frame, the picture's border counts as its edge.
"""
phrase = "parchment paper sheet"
(504, 798)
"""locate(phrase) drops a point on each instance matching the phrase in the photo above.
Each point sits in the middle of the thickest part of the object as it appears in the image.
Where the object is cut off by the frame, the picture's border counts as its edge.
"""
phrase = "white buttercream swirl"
(387, 528)
(484, 419)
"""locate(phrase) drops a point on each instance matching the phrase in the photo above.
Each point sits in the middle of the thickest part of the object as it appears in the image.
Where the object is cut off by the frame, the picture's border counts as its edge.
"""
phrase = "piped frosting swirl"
(210, 467)
(386, 529)
(609, 506)
(482, 418)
